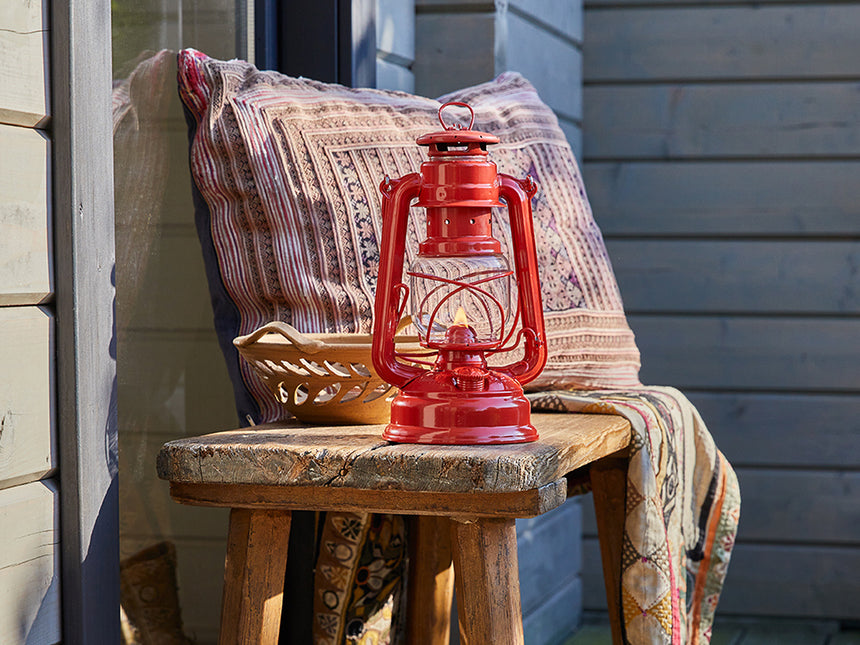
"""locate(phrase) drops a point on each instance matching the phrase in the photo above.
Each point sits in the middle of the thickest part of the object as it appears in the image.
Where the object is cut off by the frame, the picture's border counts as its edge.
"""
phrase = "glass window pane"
(172, 377)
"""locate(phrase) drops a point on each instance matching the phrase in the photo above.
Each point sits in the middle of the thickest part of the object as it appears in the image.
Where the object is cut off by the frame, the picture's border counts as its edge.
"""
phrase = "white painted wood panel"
(737, 276)
(801, 199)
(755, 352)
(737, 42)
(27, 414)
(24, 96)
(25, 242)
(723, 120)
(29, 565)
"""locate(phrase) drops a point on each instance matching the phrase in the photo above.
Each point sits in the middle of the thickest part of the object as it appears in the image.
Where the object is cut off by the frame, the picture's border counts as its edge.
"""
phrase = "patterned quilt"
(683, 505)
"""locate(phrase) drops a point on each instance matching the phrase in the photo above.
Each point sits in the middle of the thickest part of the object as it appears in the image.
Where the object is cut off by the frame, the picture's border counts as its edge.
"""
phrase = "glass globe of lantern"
(452, 291)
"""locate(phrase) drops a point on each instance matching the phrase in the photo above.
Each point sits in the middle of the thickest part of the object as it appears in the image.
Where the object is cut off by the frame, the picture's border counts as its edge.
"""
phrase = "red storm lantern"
(460, 296)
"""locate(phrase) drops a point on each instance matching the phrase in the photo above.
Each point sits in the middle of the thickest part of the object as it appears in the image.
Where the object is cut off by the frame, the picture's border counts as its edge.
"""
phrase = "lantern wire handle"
(457, 126)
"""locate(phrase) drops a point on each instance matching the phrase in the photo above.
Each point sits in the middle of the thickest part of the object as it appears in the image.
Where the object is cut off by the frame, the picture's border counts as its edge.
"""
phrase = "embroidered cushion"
(286, 175)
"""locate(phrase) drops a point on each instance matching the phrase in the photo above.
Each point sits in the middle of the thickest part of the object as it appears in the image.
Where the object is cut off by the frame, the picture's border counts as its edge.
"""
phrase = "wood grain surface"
(488, 589)
(527, 503)
(357, 457)
(26, 243)
(30, 564)
(24, 75)
(28, 447)
(431, 581)
(254, 576)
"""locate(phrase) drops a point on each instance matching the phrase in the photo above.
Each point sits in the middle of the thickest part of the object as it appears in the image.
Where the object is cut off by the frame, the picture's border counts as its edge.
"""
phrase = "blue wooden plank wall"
(722, 159)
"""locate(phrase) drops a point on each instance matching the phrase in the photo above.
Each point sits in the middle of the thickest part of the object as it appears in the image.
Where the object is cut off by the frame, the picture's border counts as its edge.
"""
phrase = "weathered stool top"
(357, 457)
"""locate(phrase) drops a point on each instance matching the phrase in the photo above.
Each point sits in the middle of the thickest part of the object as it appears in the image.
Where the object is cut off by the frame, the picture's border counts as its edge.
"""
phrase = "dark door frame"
(328, 40)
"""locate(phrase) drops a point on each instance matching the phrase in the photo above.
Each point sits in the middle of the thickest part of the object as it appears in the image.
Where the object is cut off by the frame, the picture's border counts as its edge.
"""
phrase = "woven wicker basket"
(321, 378)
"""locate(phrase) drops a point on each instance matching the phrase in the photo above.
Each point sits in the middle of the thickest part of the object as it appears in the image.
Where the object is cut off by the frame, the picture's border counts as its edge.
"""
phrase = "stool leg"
(487, 580)
(609, 485)
(431, 581)
(254, 576)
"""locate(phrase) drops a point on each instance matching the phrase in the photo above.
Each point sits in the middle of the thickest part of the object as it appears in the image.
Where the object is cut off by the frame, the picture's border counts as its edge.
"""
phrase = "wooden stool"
(470, 493)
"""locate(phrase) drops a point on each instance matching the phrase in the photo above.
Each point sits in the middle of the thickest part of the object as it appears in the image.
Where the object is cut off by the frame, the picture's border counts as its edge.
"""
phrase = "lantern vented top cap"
(470, 141)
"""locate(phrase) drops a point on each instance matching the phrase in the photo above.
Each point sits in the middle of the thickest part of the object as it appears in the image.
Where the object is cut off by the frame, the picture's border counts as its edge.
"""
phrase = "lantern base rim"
(460, 436)
(432, 409)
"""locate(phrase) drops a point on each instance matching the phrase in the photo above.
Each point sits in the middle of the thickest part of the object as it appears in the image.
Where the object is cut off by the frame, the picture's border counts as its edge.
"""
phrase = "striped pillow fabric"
(286, 174)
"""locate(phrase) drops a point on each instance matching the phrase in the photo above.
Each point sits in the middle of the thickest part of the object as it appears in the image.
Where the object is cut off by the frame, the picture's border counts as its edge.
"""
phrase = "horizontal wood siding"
(27, 411)
(552, 555)
(544, 44)
(714, 276)
(453, 50)
(25, 242)
(794, 507)
(750, 353)
(728, 42)
(803, 120)
(814, 430)
(816, 582)
(29, 508)
(803, 199)
(24, 31)
(722, 151)
(29, 559)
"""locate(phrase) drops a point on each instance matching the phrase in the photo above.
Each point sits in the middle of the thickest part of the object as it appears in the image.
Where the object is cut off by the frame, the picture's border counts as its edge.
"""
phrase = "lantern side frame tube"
(517, 195)
(396, 198)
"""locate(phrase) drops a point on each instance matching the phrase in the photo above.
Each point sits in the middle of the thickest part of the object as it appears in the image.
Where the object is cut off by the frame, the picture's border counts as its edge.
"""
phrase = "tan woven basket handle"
(297, 338)
(305, 344)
